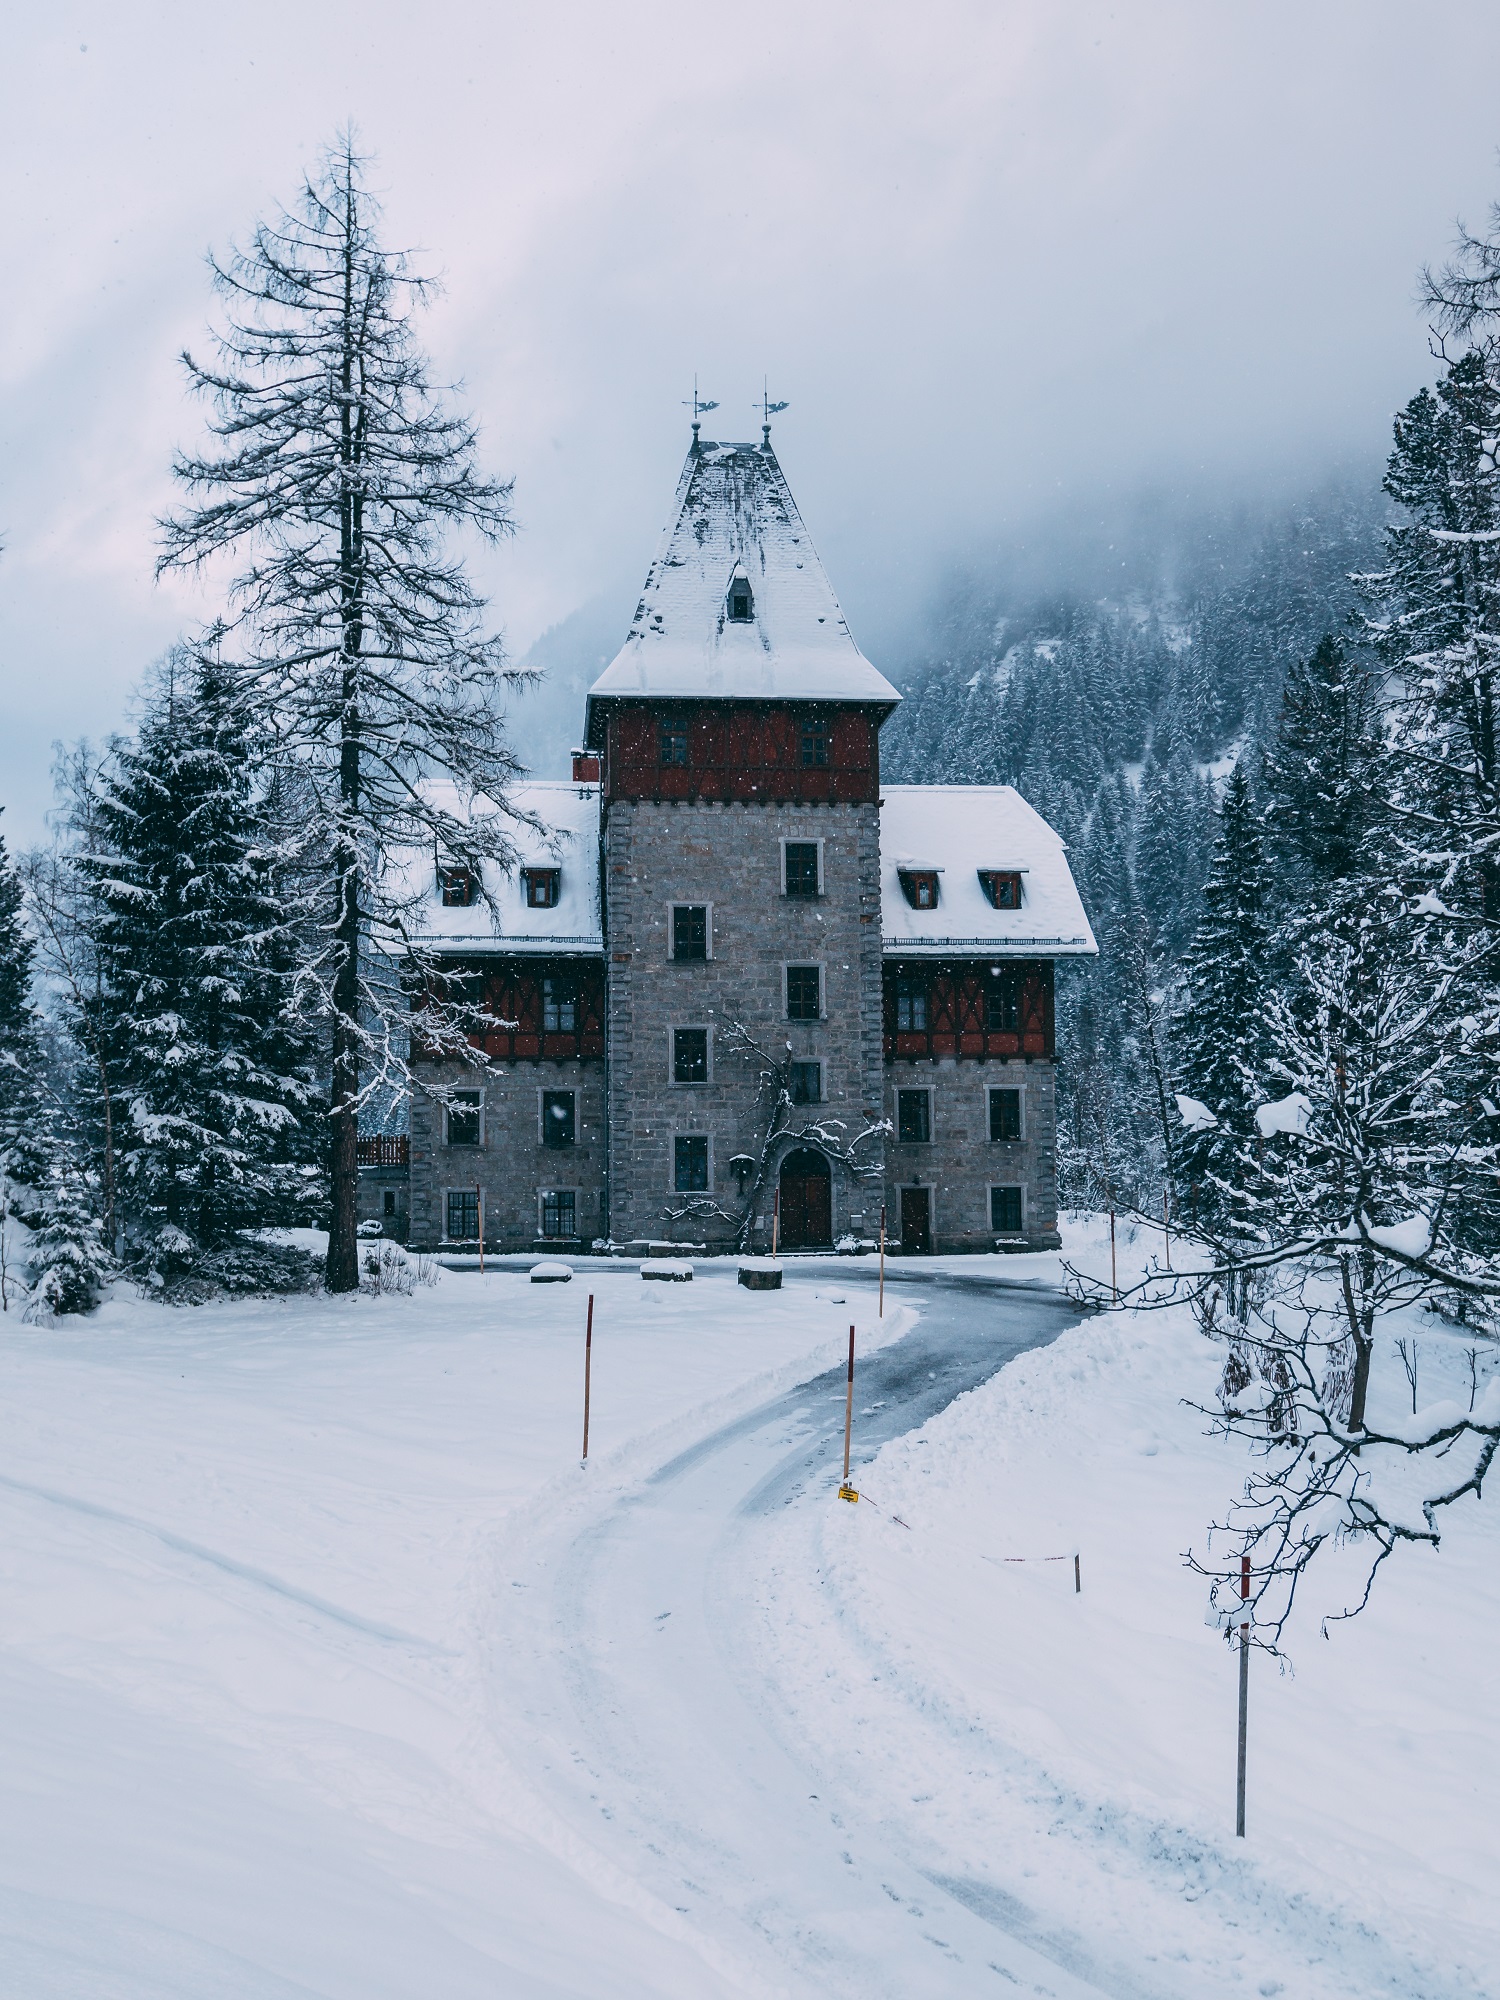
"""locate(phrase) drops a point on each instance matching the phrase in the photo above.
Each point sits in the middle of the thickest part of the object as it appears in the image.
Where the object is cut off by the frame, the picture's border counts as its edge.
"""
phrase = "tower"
(738, 731)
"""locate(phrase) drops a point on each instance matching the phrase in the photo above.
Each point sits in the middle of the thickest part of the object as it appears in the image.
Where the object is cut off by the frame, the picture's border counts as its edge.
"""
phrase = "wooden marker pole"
(1239, 1801)
(1166, 1227)
(775, 1221)
(588, 1369)
(479, 1199)
(1077, 1577)
(846, 1491)
(882, 1260)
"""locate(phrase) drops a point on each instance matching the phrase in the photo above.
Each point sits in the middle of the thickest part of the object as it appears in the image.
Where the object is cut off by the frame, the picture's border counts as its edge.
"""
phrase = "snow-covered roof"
(571, 815)
(734, 515)
(957, 830)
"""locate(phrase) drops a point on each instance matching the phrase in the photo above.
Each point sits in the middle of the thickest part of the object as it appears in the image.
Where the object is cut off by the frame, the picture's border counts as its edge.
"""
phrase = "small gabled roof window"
(920, 886)
(741, 603)
(1002, 887)
(540, 887)
(459, 887)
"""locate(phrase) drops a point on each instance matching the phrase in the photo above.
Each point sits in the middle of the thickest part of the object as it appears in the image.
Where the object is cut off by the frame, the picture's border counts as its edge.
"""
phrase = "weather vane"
(767, 409)
(699, 408)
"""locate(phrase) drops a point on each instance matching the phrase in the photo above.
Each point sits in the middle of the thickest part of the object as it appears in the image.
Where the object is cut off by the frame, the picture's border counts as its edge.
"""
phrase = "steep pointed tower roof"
(737, 605)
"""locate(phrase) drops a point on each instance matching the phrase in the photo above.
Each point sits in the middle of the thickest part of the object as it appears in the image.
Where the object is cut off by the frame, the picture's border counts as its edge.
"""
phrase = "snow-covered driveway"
(627, 1682)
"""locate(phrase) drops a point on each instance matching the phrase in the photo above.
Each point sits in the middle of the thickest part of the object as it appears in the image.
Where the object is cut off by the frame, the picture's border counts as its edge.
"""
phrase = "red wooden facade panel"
(962, 1006)
(554, 1008)
(743, 750)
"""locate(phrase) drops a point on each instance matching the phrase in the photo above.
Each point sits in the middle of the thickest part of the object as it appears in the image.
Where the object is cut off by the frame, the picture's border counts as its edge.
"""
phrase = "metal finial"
(698, 406)
(768, 409)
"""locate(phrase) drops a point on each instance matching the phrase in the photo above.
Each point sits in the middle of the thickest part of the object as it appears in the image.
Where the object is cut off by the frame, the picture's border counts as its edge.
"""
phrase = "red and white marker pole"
(1239, 1803)
(588, 1369)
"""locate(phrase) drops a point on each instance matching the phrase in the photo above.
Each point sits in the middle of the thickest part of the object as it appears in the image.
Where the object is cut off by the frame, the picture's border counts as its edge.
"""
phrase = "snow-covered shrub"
(387, 1267)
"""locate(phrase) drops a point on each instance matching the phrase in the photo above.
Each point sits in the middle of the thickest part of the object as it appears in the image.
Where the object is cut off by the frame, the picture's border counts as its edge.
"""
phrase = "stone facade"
(728, 860)
(508, 1158)
(960, 1164)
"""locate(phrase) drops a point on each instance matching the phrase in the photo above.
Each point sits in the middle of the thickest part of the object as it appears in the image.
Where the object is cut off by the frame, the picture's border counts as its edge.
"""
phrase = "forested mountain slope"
(1113, 714)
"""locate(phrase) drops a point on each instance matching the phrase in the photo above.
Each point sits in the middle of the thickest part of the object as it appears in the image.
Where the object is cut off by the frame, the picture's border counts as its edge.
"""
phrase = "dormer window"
(540, 886)
(741, 604)
(920, 887)
(459, 888)
(1002, 887)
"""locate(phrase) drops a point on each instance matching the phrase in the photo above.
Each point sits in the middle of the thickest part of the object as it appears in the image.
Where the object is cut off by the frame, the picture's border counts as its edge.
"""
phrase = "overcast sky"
(1000, 258)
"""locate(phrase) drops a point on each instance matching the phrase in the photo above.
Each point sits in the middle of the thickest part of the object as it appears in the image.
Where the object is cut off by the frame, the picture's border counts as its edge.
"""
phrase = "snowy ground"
(1078, 1751)
(325, 1671)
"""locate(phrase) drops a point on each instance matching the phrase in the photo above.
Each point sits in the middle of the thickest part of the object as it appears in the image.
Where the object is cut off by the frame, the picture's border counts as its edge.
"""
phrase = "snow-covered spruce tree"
(1320, 771)
(212, 1081)
(20, 1066)
(1436, 623)
(354, 644)
(1218, 1037)
(43, 1181)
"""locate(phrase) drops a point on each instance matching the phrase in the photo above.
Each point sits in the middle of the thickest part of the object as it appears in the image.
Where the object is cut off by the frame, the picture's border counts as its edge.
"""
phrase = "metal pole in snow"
(479, 1200)
(845, 1491)
(882, 1260)
(1114, 1279)
(775, 1221)
(1239, 1804)
(1077, 1577)
(588, 1369)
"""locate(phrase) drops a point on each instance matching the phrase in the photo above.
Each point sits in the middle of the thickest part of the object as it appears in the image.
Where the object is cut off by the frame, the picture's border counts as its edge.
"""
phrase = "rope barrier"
(847, 1492)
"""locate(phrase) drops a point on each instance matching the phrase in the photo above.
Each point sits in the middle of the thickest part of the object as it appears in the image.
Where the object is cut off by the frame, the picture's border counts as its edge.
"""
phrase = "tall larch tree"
(354, 642)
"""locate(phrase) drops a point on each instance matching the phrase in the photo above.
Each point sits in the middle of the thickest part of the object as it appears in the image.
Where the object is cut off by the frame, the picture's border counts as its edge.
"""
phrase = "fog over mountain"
(1034, 282)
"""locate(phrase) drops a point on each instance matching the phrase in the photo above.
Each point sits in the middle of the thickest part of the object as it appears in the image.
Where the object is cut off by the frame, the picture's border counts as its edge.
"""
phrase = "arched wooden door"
(806, 1201)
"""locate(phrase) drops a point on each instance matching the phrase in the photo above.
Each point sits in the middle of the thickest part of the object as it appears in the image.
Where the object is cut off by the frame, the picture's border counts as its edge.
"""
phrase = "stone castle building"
(743, 975)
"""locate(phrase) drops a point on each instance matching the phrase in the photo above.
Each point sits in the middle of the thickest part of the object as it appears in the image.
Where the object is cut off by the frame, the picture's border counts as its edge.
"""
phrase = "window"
(814, 746)
(804, 992)
(540, 886)
(674, 737)
(690, 1055)
(558, 1117)
(920, 887)
(911, 1007)
(801, 867)
(559, 1005)
(1002, 1005)
(460, 888)
(1005, 1114)
(913, 1117)
(1002, 887)
(806, 1083)
(463, 1216)
(465, 1118)
(1005, 1211)
(690, 1165)
(559, 1212)
(689, 931)
(390, 1201)
(741, 605)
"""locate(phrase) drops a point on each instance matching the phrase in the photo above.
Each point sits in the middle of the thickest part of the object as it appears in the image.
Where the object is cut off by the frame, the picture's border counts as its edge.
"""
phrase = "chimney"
(585, 768)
